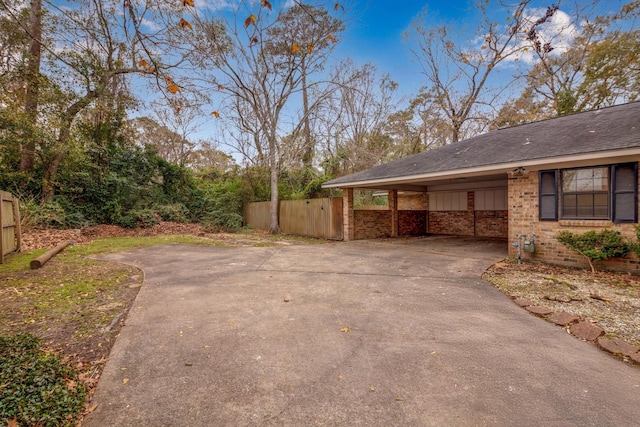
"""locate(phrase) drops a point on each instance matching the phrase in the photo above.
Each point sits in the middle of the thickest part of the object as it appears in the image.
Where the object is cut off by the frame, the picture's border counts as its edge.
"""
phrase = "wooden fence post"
(10, 231)
(18, 222)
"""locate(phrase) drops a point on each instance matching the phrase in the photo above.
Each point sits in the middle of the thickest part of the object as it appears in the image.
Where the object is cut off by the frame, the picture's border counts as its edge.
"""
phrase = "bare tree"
(458, 68)
(259, 72)
(352, 122)
(601, 65)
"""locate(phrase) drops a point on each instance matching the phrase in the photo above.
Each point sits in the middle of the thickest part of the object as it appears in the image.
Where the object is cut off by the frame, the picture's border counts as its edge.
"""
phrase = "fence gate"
(9, 225)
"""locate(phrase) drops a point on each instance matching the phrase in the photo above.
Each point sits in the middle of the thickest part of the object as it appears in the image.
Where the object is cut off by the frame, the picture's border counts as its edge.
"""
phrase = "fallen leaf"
(372, 388)
(12, 423)
(125, 380)
(340, 377)
(433, 352)
(345, 329)
(90, 409)
(399, 399)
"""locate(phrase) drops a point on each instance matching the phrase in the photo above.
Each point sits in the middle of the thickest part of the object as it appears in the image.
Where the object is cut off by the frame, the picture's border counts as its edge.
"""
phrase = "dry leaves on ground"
(609, 299)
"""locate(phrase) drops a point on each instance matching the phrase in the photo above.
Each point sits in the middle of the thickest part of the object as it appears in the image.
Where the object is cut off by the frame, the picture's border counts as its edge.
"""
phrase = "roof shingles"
(611, 128)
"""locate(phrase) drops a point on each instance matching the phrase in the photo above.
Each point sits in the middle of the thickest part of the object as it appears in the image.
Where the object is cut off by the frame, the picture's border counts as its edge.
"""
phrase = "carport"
(525, 183)
(458, 205)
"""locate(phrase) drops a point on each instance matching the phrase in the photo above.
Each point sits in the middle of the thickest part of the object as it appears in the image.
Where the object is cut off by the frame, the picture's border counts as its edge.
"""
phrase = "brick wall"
(523, 219)
(412, 223)
(372, 224)
(412, 202)
(492, 223)
(458, 223)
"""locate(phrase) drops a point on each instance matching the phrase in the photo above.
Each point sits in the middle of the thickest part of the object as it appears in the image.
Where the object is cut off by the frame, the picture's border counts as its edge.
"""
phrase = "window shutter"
(548, 199)
(624, 194)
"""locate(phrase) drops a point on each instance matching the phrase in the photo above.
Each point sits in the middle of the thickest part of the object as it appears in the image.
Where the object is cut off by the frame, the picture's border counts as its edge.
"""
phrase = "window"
(602, 192)
(585, 193)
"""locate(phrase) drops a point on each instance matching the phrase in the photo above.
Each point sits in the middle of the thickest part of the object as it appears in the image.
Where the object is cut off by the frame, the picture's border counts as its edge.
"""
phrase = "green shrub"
(143, 218)
(220, 220)
(596, 246)
(176, 212)
(37, 388)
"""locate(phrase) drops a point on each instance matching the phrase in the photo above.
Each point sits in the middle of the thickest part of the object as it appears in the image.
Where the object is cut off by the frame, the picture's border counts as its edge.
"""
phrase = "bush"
(143, 218)
(176, 212)
(220, 220)
(37, 388)
(51, 215)
(596, 246)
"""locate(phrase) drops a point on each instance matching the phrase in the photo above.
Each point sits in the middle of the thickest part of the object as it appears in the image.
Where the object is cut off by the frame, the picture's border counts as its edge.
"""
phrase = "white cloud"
(216, 5)
(559, 32)
(151, 25)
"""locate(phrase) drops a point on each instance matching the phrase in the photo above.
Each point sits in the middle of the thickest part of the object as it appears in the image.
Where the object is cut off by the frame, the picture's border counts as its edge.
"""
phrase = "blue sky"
(374, 33)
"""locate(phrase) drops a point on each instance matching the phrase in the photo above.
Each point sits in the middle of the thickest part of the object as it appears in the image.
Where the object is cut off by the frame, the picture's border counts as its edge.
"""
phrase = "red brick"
(563, 318)
(617, 346)
(586, 331)
(522, 302)
(540, 311)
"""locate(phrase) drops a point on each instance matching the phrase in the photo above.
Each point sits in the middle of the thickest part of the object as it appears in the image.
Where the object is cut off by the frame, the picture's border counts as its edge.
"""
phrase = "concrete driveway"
(366, 333)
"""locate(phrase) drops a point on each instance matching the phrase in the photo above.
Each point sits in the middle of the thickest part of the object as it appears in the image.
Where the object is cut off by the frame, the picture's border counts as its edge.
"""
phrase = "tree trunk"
(28, 149)
(62, 144)
(274, 226)
(307, 156)
(49, 176)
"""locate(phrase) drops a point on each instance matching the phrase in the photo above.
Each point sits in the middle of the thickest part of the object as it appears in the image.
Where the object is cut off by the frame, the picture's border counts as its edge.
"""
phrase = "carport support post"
(393, 206)
(348, 217)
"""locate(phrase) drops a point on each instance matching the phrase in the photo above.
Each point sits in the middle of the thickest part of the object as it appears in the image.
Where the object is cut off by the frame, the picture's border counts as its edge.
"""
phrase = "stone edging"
(583, 329)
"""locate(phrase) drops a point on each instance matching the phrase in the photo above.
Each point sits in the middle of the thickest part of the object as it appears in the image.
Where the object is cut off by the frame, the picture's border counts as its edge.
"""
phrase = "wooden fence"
(9, 225)
(321, 218)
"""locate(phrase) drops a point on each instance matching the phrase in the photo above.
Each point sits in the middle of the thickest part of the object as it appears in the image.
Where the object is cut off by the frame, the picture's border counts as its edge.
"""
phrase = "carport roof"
(604, 133)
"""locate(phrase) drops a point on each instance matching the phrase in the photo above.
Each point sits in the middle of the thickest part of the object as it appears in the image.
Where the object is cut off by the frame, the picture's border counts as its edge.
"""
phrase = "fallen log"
(45, 257)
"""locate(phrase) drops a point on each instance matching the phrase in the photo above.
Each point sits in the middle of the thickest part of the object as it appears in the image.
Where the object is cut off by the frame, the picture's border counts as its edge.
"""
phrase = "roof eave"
(551, 162)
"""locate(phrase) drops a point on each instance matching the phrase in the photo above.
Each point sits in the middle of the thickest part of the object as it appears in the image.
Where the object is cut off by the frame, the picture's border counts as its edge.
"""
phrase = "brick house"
(577, 172)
